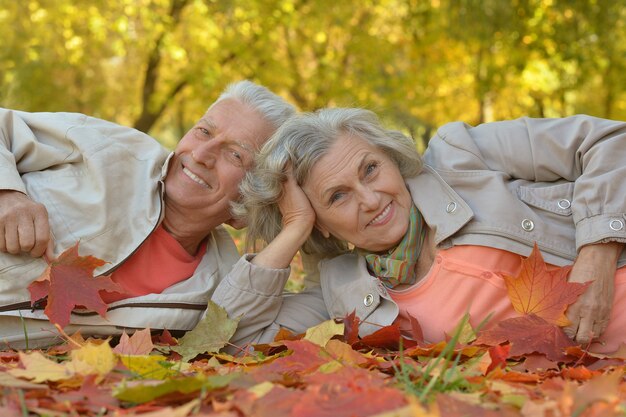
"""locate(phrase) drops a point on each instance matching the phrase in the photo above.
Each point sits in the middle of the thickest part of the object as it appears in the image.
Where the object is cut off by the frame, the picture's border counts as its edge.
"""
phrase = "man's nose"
(206, 153)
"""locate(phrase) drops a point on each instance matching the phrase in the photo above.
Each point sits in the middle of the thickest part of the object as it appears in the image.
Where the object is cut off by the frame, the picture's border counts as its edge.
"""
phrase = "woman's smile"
(383, 217)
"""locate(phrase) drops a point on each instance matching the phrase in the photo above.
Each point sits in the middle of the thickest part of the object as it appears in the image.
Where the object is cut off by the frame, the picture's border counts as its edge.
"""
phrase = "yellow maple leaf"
(92, 359)
(38, 368)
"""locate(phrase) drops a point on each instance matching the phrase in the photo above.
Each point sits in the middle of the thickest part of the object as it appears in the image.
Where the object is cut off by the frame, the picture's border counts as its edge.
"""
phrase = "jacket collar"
(166, 166)
(443, 209)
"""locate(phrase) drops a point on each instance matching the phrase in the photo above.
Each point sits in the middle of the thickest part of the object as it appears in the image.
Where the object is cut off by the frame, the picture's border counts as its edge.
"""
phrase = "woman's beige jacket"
(558, 182)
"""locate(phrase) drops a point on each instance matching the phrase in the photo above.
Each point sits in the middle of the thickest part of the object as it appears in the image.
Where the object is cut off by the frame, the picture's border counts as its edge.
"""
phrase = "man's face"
(211, 160)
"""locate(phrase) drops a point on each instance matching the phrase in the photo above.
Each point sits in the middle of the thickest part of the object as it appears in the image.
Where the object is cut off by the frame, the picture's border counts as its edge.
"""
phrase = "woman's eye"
(335, 196)
(370, 168)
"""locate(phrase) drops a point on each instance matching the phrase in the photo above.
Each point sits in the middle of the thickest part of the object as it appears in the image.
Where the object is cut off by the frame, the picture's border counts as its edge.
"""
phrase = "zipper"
(161, 199)
(27, 306)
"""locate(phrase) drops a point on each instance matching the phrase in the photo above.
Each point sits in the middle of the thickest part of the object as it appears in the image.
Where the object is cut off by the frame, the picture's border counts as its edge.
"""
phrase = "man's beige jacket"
(102, 185)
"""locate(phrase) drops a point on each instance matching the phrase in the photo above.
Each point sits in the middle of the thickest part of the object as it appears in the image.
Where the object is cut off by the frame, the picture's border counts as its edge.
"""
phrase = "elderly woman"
(432, 240)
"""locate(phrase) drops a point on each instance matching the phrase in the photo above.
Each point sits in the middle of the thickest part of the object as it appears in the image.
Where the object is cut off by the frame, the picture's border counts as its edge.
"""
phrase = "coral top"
(159, 262)
(465, 279)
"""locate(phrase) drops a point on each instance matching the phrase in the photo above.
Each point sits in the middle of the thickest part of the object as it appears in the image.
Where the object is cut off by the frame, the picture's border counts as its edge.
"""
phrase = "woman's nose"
(369, 199)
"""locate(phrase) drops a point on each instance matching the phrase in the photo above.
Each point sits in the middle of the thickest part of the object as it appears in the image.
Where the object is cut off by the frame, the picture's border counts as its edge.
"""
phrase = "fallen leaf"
(148, 391)
(92, 359)
(10, 381)
(323, 332)
(140, 343)
(387, 337)
(210, 335)
(351, 328)
(498, 355)
(527, 334)
(541, 292)
(38, 368)
(71, 271)
(305, 357)
(151, 367)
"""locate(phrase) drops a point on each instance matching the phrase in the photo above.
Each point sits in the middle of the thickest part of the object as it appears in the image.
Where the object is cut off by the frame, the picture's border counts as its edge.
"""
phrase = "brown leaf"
(68, 282)
(527, 334)
(450, 406)
(546, 294)
(351, 328)
(140, 343)
(498, 355)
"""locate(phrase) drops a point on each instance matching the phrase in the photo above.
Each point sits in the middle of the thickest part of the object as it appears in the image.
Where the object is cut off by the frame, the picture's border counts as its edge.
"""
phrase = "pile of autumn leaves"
(523, 366)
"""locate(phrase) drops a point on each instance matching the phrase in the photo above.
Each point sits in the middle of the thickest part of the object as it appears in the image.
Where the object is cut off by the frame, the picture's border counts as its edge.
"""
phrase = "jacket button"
(616, 225)
(368, 300)
(528, 225)
(564, 204)
(451, 207)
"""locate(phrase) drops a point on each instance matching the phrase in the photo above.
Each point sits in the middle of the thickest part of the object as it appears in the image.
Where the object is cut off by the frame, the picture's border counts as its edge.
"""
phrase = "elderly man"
(155, 219)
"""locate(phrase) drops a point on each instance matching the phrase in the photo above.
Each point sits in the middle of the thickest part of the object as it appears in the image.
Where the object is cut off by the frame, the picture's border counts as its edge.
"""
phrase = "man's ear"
(237, 223)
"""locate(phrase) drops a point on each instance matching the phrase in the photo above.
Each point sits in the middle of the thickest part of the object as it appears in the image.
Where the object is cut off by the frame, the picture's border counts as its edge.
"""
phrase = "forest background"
(157, 64)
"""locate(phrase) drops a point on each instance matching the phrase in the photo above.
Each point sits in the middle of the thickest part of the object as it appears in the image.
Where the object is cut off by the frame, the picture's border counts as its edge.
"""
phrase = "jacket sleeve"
(32, 142)
(256, 295)
(588, 151)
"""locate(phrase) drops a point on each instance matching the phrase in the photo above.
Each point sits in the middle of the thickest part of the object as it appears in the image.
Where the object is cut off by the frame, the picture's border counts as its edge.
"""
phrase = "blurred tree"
(157, 64)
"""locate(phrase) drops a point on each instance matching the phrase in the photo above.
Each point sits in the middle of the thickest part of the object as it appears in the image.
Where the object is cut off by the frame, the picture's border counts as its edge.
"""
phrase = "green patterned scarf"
(398, 265)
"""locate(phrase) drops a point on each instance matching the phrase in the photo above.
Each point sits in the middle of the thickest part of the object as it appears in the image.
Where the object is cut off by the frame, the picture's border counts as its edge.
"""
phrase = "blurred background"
(157, 64)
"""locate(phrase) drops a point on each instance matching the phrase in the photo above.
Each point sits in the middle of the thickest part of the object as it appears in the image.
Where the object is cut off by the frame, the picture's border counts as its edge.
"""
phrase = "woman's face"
(359, 196)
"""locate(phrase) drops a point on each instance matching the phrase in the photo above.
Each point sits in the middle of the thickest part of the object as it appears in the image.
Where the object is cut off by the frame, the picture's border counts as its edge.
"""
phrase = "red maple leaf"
(68, 282)
(527, 334)
(541, 292)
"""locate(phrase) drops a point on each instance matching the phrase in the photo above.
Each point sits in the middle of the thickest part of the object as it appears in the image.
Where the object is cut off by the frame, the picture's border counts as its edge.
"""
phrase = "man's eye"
(201, 131)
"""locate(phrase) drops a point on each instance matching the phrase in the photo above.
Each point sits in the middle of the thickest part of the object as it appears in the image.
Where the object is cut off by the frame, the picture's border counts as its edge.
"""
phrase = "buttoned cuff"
(601, 229)
(258, 280)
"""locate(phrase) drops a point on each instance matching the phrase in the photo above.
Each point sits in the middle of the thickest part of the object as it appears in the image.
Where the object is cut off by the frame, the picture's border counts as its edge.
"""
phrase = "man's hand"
(24, 224)
(591, 312)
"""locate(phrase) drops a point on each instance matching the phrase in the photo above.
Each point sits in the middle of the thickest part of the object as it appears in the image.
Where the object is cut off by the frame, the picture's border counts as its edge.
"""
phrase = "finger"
(49, 255)
(26, 234)
(12, 241)
(3, 245)
(42, 236)
(585, 333)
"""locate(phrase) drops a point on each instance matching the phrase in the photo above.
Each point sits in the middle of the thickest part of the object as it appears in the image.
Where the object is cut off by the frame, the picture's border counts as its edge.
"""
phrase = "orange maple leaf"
(68, 282)
(541, 292)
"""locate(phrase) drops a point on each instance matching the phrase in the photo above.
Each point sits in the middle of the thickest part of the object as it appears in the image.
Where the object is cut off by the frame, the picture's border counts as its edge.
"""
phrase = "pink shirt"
(464, 279)
(160, 262)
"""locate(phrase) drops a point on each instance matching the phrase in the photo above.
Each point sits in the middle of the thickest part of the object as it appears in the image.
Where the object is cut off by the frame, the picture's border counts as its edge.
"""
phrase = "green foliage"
(210, 335)
(157, 64)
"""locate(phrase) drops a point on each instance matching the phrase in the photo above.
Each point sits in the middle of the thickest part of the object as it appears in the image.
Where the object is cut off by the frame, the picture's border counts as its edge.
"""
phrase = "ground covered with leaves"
(524, 366)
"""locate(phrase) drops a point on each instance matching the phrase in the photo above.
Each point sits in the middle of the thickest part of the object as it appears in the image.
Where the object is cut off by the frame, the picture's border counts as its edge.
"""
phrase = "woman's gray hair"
(272, 107)
(302, 141)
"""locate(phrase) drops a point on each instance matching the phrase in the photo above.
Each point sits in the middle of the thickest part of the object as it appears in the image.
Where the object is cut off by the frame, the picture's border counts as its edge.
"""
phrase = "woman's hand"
(295, 207)
(298, 222)
(590, 314)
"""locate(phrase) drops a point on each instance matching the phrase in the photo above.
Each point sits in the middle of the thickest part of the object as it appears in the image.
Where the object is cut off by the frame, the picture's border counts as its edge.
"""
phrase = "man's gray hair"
(272, 107)
(300, 142)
